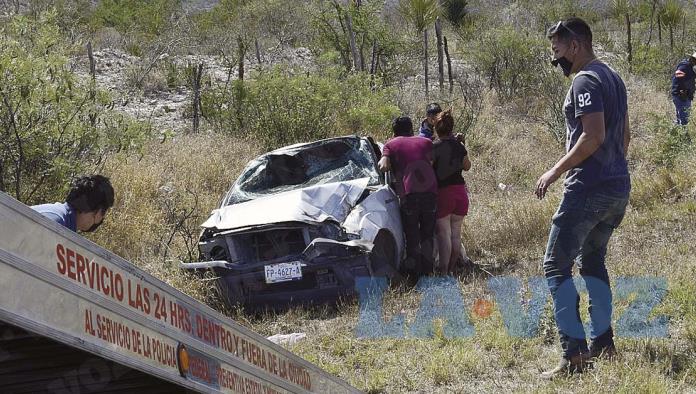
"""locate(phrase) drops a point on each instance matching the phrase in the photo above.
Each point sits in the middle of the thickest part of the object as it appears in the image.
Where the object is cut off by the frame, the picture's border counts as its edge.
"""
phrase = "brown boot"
(568, 366)
(604, 352)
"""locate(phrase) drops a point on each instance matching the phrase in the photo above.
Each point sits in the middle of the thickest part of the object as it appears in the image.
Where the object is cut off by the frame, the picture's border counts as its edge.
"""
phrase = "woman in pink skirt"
(449, 159)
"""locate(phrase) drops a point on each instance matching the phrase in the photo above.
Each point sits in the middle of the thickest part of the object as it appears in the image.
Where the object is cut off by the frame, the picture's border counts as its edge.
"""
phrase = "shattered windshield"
(297, 167)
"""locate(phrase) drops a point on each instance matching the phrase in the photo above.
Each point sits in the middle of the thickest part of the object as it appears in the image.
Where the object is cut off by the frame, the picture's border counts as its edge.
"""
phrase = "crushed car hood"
(314, 204)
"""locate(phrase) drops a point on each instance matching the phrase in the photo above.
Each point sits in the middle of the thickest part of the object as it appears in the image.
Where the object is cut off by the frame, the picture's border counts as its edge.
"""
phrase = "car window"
(297, 167)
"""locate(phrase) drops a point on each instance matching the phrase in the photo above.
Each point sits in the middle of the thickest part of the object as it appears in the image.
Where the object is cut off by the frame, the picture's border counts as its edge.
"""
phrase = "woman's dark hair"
(444, 123)
(91, 193)
(402, 126)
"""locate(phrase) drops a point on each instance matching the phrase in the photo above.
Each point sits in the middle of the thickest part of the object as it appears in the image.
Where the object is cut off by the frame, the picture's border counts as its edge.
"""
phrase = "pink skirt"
(453, 199)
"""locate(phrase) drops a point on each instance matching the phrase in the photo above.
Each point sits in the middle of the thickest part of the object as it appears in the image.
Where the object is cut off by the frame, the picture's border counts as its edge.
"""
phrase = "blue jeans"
(683, 108)
(580, 232)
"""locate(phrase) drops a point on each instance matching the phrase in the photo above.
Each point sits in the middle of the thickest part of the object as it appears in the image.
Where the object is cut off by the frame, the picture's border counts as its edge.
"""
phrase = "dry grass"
(506, 232)
(164, 195)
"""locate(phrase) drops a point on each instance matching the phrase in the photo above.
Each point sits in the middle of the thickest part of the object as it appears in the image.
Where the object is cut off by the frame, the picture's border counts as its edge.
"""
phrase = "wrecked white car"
(301, 223)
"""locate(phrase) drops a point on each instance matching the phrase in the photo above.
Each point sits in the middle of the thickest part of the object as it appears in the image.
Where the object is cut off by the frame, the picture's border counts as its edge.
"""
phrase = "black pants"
(418, 218)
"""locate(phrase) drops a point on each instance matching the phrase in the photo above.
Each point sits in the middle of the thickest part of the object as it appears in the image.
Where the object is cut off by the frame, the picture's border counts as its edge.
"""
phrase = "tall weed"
(280, 108)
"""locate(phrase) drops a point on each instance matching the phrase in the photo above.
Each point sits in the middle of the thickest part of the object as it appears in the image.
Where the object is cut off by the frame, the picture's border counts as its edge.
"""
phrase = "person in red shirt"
(410, 159)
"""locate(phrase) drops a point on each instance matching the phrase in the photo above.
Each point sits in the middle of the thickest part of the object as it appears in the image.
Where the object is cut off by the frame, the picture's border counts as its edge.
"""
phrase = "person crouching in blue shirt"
(85, 207)
(428, 124)
(683, 88)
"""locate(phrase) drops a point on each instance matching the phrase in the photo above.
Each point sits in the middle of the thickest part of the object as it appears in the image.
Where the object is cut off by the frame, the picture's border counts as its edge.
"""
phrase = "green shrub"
(138, 21)
(174, 74)
(271, 23)
(52, 124)
(517, 66)
(329, 36)
(511, 61)
(654, 62)
(148, 17)
(149, 81)
(279, 108)
(672, 141)
(553, 11)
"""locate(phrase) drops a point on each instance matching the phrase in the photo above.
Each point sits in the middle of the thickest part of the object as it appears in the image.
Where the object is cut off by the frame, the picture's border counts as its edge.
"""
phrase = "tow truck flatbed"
(75, 317)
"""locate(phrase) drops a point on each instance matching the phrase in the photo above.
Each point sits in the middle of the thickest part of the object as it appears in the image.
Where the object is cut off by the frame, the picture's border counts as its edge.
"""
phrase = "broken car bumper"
(329, 269)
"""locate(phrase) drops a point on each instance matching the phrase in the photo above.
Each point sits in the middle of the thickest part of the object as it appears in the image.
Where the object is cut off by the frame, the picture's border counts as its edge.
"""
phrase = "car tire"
(383, 257)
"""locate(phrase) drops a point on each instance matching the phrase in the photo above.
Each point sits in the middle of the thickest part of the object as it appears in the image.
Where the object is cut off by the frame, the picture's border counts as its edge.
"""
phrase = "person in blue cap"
(426, 129)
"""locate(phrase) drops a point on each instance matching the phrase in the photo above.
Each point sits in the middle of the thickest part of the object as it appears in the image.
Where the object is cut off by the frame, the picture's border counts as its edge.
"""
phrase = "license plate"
(283, 272)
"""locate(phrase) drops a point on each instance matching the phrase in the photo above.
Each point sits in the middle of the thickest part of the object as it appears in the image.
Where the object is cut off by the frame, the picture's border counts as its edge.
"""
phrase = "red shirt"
(410, 159)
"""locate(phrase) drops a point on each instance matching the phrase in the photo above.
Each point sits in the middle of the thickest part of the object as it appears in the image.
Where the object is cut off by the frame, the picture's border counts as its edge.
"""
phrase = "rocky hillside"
(139, 88)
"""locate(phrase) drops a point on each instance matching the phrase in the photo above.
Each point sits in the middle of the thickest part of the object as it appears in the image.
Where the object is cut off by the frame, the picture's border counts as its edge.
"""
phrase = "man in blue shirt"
(88, 200)
(597, 186)
(427, 125)
(683, 88)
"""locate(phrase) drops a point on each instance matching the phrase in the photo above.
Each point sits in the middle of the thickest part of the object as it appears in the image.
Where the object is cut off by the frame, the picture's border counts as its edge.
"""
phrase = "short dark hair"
(571, 28)
(91, 193)
(402, 126)
(433, 109)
